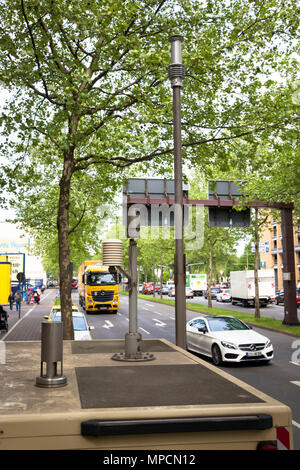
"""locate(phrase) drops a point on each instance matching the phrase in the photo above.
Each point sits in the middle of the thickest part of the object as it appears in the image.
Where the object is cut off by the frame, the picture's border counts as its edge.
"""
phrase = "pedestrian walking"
(11, 300)
(18, 299)
(29, 295)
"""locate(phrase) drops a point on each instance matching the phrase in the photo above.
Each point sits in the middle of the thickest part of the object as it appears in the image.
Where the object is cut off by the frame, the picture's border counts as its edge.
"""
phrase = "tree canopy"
(88, 88)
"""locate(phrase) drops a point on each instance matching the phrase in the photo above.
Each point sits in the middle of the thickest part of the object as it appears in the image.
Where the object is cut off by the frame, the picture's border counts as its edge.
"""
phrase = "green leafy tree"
(88, 85)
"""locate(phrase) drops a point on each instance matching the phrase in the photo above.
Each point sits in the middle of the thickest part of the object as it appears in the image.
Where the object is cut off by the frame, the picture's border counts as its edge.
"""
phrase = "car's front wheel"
(216, 355)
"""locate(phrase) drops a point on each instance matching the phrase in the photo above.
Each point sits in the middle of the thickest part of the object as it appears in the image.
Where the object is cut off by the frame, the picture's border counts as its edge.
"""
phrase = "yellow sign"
(17, 261)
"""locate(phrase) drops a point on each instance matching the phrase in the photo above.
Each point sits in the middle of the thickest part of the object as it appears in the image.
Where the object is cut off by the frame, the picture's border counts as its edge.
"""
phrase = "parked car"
(189, 293)
(140, 288)
(80, 325)
(214, 291)
(74, 284)
(227, 339)
(224, 296)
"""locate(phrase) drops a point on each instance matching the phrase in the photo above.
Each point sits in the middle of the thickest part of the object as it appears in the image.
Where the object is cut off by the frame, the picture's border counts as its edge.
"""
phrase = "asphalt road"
(280, 378)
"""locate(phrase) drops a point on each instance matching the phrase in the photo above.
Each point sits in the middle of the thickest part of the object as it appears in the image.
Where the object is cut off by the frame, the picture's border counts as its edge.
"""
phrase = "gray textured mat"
(92, 347)
(125, 386)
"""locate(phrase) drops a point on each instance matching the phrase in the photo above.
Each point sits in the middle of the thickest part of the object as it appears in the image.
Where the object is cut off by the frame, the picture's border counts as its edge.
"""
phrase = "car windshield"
(226, 324)
(78, 322)
(226, 291)
(96, 279)
(215, 289)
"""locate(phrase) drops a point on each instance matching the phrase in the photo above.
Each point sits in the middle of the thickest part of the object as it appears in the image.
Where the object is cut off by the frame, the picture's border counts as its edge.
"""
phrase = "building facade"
(273, 258)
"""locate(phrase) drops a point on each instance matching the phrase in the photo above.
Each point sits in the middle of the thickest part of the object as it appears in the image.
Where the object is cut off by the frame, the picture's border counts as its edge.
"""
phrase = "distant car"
(165, 290)
(224, 296)
(214, 291)
(80, 325)
(147, 288)
(57, 309)
(171, 292)
(74, 284)
(279, 298)
(140, 288)
(227, 339)
(189, 293)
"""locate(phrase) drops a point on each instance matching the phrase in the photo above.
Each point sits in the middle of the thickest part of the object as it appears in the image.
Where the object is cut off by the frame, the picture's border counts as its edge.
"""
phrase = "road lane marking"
(145, 331)
(294, 423)
(295, 363)
(296, 382)
(159, 323)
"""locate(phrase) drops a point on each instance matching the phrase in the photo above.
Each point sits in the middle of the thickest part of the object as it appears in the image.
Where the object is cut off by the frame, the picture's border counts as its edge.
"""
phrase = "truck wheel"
(216, 355)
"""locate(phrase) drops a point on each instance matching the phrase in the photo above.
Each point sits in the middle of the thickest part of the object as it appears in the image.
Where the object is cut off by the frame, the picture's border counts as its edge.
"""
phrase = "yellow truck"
(98, 288)
(176, 401)
(5, 281)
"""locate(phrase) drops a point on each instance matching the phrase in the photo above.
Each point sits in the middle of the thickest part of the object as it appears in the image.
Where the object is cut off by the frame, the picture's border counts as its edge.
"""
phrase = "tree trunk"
(256, 265)
(64, 247)
(210, 268)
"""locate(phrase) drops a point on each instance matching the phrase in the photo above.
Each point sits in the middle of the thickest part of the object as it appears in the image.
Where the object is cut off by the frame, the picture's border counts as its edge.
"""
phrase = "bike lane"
(28, 326)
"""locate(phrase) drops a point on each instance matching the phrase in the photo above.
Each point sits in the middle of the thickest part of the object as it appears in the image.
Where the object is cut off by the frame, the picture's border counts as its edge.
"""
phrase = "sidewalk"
(28, 327)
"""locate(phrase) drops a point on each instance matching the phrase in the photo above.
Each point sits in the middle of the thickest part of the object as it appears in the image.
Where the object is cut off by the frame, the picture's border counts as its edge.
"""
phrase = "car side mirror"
(202, 330)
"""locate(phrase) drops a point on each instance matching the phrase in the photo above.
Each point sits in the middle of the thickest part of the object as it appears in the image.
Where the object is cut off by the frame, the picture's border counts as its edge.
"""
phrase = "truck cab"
(98, 288)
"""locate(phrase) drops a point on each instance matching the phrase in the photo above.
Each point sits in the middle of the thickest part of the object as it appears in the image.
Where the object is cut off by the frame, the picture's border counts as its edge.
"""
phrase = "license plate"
(255, 353)
(101, 306)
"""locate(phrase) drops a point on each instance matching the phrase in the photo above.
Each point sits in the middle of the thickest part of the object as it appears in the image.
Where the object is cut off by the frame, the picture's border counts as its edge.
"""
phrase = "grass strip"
(265, 322)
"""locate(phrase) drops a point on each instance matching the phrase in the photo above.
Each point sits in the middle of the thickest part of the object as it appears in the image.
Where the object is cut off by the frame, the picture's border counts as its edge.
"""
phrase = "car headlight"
(228, 345)
(268, 344)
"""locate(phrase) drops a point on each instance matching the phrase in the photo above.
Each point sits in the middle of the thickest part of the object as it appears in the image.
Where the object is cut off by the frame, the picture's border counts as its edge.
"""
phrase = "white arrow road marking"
(159, 323)
(296, 383)
(108, 324)
(296, 424)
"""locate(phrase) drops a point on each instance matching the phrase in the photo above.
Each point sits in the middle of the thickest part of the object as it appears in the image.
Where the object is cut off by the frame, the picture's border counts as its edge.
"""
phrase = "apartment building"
(273, 258)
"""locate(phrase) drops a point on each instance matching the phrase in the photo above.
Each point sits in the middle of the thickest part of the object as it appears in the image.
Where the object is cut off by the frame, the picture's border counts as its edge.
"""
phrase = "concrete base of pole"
(133, 350)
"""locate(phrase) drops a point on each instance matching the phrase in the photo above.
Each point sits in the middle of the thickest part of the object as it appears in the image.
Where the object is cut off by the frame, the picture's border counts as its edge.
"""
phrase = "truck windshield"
(103, 279)
(226, 324)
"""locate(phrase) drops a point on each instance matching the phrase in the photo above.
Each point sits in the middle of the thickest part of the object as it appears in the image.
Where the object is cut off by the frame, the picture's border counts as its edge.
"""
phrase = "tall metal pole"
(176, 75)
(133, 320)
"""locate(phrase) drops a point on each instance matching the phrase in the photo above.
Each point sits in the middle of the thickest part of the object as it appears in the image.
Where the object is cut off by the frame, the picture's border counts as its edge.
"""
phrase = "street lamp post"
(176, 74)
